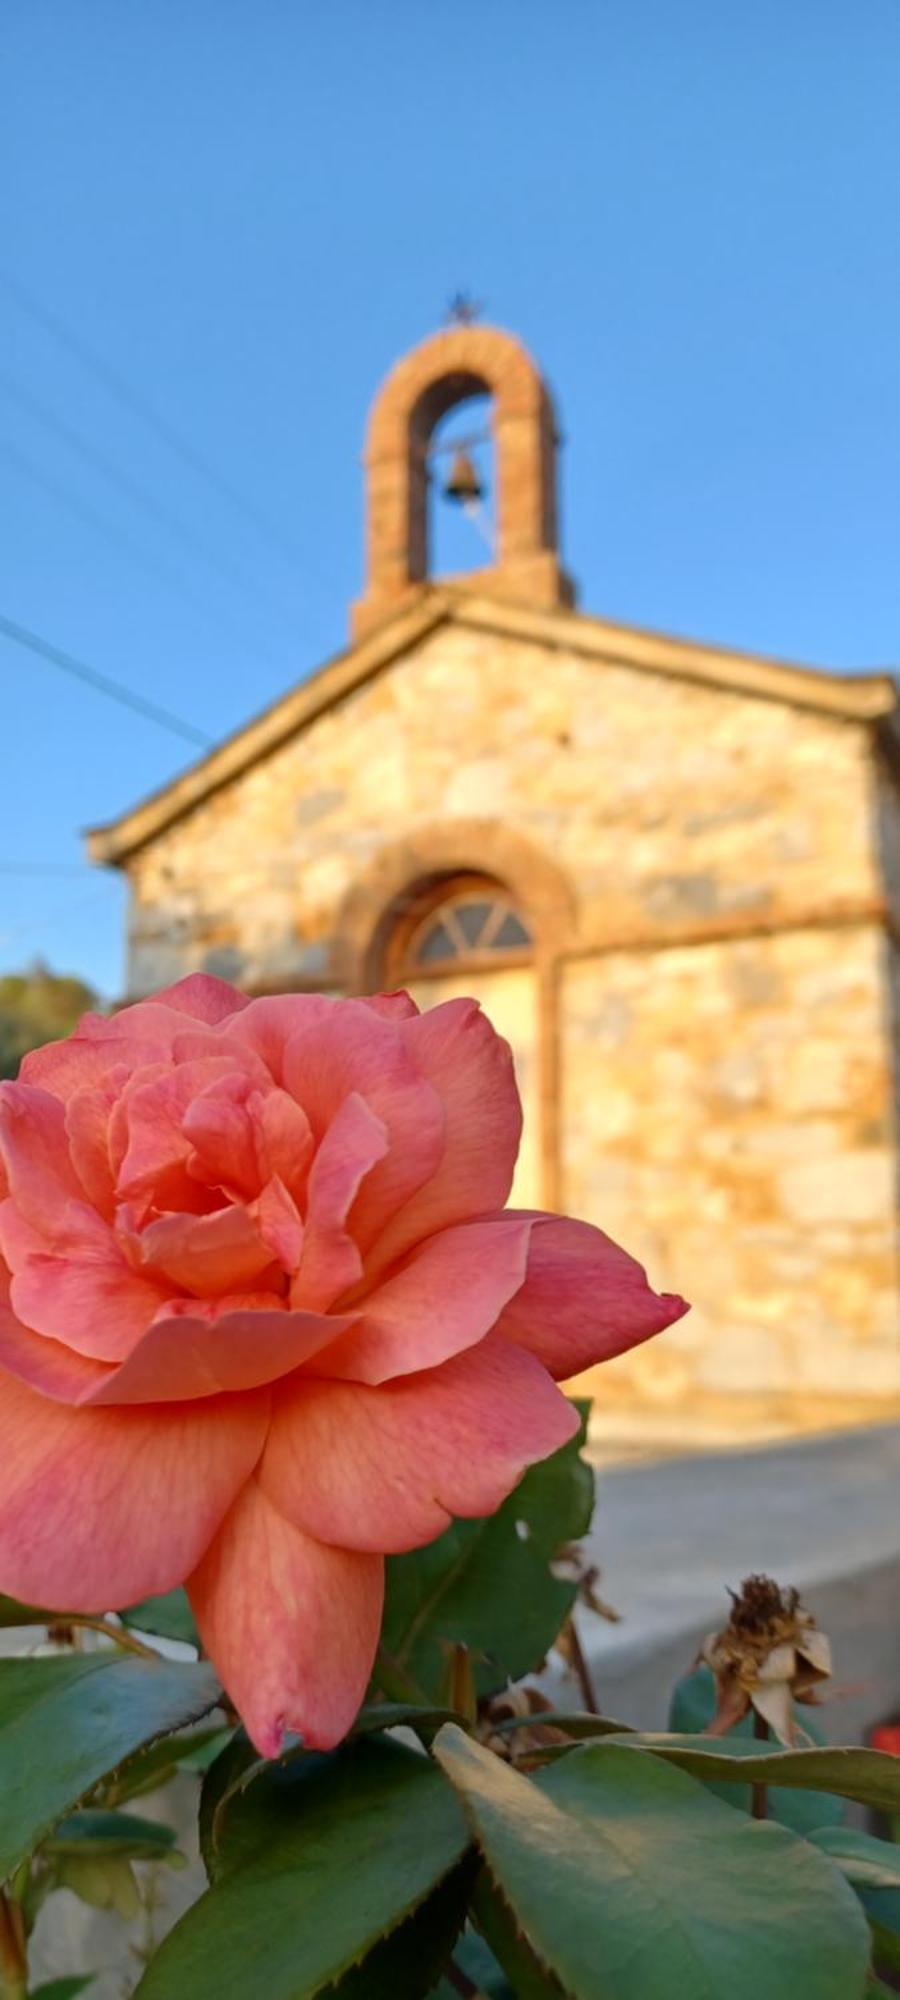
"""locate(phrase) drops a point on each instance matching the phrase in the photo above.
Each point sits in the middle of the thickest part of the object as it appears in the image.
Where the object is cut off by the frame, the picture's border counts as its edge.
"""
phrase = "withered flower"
(519, 1746)
(770, 1655)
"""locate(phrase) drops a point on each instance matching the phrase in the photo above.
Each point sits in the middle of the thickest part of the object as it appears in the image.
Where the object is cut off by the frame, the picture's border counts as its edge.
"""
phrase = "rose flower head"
(769, 1655)
(264, 1319)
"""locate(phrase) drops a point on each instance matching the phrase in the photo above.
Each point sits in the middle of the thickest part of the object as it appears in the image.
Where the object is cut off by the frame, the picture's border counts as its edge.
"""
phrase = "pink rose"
(263, 1320)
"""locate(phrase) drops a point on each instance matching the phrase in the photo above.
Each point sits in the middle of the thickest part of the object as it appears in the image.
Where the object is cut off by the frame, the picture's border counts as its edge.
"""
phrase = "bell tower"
(459, 362)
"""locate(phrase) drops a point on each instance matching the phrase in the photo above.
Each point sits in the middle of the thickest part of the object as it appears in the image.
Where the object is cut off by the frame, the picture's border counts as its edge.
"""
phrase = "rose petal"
(206, 1256)
(584, 1299)
(200, 996)
(136, 1036)
(218, 1126)
(149, 1147)
(447, 1296)
(88, 1112)
(290, 1625)
(275, 1214)
(35, 1154)
(353, 1144)
(351, 1049)
(471, 1067)
(47, 1365)
(89, 1297)
(267, 1025)
(398, 1006)
(283, 1138)
(99, 1508)
(386, 1468)
(244, 1136)
(199, 1348)
(85, 1061)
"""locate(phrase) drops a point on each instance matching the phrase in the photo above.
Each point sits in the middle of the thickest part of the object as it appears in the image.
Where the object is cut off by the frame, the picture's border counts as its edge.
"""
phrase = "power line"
(83, 511)
(102, 683)
(132, 399)
(156, 565)
(139, 495)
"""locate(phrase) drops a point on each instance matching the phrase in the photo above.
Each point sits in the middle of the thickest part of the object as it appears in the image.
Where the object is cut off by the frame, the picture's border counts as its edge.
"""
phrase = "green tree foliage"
(37, 1006)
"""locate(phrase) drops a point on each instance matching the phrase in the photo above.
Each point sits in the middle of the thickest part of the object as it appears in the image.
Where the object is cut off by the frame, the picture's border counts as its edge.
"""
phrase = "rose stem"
(461, 1982)
(582, 1670)
(396, 1683)
(13, 1950)
(759, 1796)
(119, 1633)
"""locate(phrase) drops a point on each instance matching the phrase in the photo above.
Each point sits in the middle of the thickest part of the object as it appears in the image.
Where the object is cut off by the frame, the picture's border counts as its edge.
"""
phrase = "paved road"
(669, 1537)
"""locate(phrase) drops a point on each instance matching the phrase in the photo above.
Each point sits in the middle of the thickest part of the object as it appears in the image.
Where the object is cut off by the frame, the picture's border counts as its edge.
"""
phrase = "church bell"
(463, 484)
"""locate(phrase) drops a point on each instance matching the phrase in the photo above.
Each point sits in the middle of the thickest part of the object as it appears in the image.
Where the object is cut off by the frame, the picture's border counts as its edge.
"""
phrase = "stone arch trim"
(459, 362)
(462, 847)
(545, 896)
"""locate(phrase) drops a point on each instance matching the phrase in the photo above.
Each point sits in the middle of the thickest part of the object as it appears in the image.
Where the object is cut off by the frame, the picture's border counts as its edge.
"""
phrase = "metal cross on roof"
(463, 309)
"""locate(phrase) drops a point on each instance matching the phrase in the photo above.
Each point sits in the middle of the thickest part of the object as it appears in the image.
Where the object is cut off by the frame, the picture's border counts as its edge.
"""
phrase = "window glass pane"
(512, 934)
(435, 945)
(471, 919)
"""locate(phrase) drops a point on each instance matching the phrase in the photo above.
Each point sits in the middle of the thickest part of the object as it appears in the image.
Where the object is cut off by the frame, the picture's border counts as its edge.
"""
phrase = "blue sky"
(247, 211)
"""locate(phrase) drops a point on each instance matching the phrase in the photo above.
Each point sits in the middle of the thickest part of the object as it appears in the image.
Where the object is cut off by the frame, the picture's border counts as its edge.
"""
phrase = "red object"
(887, 1737)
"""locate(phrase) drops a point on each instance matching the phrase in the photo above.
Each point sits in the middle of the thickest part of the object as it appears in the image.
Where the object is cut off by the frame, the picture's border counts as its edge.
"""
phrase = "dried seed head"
(770, 1655)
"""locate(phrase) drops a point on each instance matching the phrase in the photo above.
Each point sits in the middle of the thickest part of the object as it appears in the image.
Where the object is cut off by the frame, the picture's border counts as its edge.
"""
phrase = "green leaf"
(692, 1709)
(488, 1584)
(68, 1721)
(103, 1884)
(529, 1976)
(239, 1768)
(345, 1850)
(581, 1727)
(402, 1715)
(882, 1907)
(14, 1613)
(627, 1881)
(226, 1777)
(167, 1617)
(64, 1989)
(96, 1831)
(867, 1863)
(201, 1749)
(157, 1764)
(408, 1961)
(872, 1777)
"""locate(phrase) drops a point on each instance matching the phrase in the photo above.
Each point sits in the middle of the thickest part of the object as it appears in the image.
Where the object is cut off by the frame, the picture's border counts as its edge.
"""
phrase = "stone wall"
(672, 808)
(713, 1080)
(728, 1114)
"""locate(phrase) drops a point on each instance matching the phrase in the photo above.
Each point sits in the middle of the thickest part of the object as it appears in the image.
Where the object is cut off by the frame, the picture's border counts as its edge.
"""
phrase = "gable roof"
(858, 698)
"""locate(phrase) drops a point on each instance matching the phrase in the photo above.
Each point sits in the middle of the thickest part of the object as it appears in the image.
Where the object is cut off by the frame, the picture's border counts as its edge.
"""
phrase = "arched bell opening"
(461, 477)
(442, 379)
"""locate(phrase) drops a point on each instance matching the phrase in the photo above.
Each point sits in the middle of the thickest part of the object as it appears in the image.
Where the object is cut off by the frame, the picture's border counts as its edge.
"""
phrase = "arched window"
(463, 923)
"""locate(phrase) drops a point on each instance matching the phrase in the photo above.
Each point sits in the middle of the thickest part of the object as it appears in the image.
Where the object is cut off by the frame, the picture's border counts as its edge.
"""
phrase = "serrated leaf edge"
(156, 1736)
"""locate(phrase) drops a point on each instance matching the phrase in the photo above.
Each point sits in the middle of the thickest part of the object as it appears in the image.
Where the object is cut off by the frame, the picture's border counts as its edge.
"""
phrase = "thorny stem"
(118, 1633)
(582, 1670)
(759, 1796)
(395, 1682)
(461, 1982)
(13, 1950)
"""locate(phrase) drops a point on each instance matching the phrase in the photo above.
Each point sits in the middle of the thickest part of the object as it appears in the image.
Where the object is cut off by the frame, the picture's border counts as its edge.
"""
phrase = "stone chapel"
(671, 873)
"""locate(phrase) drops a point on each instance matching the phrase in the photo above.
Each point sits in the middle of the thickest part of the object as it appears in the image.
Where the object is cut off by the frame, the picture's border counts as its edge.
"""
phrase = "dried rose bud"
(770, 1655)
(519, 1746)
